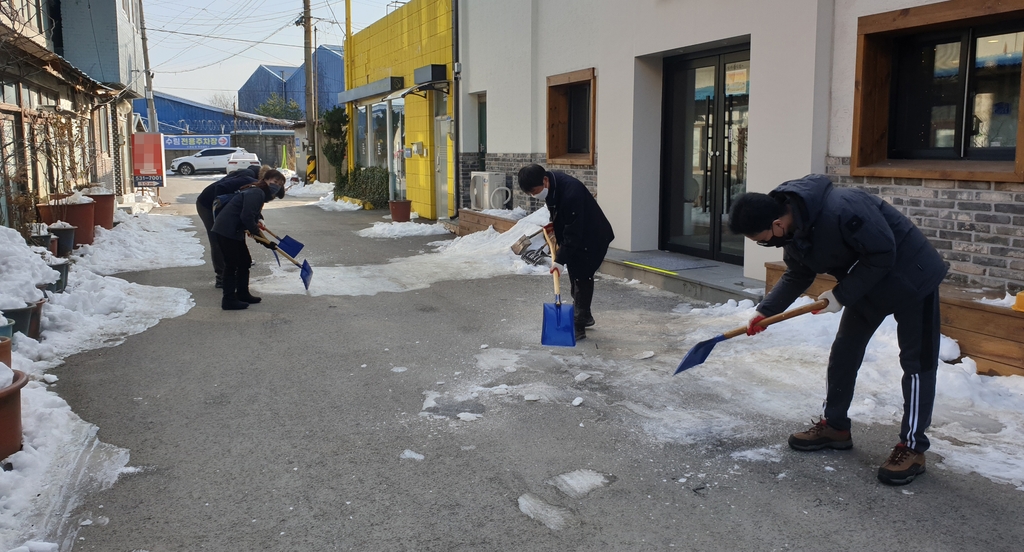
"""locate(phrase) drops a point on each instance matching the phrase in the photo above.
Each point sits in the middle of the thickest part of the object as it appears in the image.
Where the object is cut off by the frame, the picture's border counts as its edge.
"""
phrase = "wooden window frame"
(876, 35)
(558, 118)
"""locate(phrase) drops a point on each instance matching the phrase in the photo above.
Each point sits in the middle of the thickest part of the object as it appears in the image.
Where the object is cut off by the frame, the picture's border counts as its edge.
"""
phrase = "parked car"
(209, 159)
(245, 160)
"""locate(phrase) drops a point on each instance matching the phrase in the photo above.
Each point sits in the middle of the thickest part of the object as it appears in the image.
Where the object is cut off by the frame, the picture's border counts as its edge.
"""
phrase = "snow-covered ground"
(978, 424)
(61, 459)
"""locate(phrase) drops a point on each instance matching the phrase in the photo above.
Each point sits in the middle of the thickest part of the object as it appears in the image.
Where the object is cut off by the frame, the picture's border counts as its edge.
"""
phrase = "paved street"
(283, 427)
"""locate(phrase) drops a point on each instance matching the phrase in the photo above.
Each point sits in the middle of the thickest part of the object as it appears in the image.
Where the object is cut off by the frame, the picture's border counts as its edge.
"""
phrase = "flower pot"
(6, 345)
(7, 330)
(53, 244)
(10, 415)
(65, 240)
(36, 322)
(22, 317)
(41, 240)
(104, 213)
(81, 215)
(401, 209)
(62, 281)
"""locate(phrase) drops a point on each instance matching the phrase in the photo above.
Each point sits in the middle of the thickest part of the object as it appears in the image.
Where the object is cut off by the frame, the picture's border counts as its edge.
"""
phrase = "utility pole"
(307, 31)
(347, 52)
(154, 125)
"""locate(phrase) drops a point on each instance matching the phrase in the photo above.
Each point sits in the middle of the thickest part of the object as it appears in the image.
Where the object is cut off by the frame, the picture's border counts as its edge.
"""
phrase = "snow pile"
(74, 199)
(141, 242)
(514, 214)
(327, 203)
(1007, 301)
(61, 458)
(402, 230)
(316, 189)
(483, 254)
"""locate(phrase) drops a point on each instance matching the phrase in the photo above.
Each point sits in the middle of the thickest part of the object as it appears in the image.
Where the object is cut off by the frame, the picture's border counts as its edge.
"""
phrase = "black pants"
(581, 280)
(206, 215)
(917, 330)
(237, 262)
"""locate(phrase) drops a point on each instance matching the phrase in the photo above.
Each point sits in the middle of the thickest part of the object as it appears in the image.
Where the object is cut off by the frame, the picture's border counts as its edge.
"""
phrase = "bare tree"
(221, 99)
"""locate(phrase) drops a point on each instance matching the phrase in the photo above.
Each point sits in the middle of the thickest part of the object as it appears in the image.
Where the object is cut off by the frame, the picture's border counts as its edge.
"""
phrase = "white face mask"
(542, 195)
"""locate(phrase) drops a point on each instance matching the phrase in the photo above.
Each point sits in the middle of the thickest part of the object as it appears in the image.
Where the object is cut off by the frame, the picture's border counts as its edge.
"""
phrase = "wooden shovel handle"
(267, 230)
(547, 238)
(261, 239)
(817, 305)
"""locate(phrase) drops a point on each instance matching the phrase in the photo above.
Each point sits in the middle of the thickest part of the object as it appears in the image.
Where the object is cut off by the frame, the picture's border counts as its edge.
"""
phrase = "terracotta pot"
(81, 215)
(6, 344)
(36, 322)
(65, 240)
(10, 415)
(401, 210)
(53, 244)
(104, 215)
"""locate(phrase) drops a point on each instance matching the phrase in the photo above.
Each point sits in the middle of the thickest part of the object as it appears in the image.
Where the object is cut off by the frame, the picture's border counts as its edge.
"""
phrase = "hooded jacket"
(243, 212)
(874, 251)
(580, 226)
(227, 185)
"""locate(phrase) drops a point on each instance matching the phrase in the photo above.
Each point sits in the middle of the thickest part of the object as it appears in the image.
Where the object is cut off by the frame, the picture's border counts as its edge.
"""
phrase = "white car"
(209, 159)
(239, 161)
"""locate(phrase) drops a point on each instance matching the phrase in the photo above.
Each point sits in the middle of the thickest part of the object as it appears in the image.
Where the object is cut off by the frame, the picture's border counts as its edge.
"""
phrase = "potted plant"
(10, 412)
(61, 148)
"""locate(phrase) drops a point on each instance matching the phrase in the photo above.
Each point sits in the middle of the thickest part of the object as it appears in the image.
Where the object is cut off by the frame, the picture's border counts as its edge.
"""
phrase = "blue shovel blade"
(698, 354)
(306, 273)
(290, 246)
(276, 257)
(557, 329)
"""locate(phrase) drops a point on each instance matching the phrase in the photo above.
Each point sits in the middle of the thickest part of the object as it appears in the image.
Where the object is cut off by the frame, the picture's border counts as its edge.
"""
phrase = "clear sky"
(199, 49)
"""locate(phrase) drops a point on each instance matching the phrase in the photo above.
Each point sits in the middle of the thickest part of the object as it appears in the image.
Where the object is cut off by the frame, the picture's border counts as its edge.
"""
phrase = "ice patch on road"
(411, 455)
(579, 483)
(767, 454)
(552, 517)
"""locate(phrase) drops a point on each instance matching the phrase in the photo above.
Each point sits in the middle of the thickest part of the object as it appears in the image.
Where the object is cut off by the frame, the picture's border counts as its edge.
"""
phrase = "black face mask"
(776, 241)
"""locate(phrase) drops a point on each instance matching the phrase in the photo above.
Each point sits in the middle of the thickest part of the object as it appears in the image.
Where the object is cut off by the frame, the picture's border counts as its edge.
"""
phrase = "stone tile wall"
(978, 227)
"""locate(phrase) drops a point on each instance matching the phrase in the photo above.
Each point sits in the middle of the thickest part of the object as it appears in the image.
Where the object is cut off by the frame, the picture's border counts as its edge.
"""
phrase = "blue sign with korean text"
(149, 180)
(197, 141)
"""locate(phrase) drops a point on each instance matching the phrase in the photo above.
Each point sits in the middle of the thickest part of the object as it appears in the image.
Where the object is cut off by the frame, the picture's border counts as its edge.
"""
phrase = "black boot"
(230, 300)
(242, 287)
(581, 332)
(581, 302)
(219, 282)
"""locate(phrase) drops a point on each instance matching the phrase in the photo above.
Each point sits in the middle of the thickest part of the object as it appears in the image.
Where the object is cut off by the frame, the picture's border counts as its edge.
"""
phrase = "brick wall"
(977, 227)
(510, 163)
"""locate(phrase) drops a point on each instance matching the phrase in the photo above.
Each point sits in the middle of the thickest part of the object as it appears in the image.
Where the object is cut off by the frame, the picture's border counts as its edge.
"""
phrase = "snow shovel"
(534, 256)
(557, 329)
(287, 244)
(305, 271)
(699, 353)
(523, 243)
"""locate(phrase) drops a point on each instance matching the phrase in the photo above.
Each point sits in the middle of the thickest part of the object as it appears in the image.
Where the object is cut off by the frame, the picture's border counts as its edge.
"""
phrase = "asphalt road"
(283, 427)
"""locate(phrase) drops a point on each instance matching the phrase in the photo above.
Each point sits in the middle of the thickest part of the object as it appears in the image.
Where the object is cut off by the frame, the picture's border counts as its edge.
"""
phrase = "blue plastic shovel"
(699, 353)
(305, 271)
(287, 244)
(557, 329)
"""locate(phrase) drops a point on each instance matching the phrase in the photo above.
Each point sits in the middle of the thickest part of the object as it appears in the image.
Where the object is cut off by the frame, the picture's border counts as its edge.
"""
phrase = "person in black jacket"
(884, 265)
(241, 214)
(204, 207)
(581, 230)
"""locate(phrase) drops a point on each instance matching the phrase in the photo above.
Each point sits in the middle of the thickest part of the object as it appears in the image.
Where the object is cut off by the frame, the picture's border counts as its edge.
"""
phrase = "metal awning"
(442, 86)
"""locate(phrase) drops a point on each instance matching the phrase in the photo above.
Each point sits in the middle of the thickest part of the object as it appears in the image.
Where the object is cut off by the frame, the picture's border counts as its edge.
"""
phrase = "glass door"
(704, 153)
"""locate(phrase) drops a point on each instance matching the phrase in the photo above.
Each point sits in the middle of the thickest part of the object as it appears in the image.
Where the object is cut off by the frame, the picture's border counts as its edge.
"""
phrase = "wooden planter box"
(474, 221)
(990, 335)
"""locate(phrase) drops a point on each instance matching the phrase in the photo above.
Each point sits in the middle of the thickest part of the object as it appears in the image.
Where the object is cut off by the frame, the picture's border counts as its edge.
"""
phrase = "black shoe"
(589, 321)
(219, 282)
(581, 333)
(248, 297)
(232, 303)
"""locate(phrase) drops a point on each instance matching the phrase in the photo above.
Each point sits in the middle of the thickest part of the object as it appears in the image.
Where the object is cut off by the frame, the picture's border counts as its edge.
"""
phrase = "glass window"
(956, 95)
(579, 118)
(379, 137)
(360, 137)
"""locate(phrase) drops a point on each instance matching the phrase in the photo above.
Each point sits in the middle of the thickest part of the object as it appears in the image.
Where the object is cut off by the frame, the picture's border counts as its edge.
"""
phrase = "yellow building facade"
(405, 59)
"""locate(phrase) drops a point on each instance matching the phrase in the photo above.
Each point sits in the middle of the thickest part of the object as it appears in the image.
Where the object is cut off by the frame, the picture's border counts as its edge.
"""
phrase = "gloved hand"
(833, 304)
(550, 227)
(556, 267)
(752, 327)
(269, 244)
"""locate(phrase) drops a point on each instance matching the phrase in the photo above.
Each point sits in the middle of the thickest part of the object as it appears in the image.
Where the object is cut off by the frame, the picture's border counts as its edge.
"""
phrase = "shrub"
(369, 184)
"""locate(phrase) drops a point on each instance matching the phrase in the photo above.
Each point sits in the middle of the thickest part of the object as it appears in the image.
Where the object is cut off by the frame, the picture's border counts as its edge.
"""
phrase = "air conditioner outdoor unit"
(487, 190)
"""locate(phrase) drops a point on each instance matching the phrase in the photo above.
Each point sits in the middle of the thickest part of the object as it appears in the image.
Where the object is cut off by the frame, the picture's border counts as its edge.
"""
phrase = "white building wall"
(510, 47)
(844, 64)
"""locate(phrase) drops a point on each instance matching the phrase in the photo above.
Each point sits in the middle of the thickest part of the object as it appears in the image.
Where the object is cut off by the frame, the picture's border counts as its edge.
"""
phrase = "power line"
(227, 38)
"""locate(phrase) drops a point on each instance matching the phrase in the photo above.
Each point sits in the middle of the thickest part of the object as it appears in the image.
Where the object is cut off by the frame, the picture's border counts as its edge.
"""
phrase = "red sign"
(148, 160)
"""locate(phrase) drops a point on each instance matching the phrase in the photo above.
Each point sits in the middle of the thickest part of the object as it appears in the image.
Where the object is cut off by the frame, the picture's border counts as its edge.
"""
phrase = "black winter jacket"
(580, 226)
(873, 250)
(241, 213)
(227, 185)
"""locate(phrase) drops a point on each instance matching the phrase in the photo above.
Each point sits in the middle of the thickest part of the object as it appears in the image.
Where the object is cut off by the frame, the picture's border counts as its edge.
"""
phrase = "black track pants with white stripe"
(918, 334)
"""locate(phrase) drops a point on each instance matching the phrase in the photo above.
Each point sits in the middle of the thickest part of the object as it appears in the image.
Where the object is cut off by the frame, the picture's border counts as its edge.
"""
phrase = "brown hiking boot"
(820, 436)
(903, 465)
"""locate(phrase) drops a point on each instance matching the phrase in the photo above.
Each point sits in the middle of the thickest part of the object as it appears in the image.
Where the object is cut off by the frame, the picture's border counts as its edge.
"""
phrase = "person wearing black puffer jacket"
(241, 214)
(204, 208)
(581, 230)
(884, 265)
